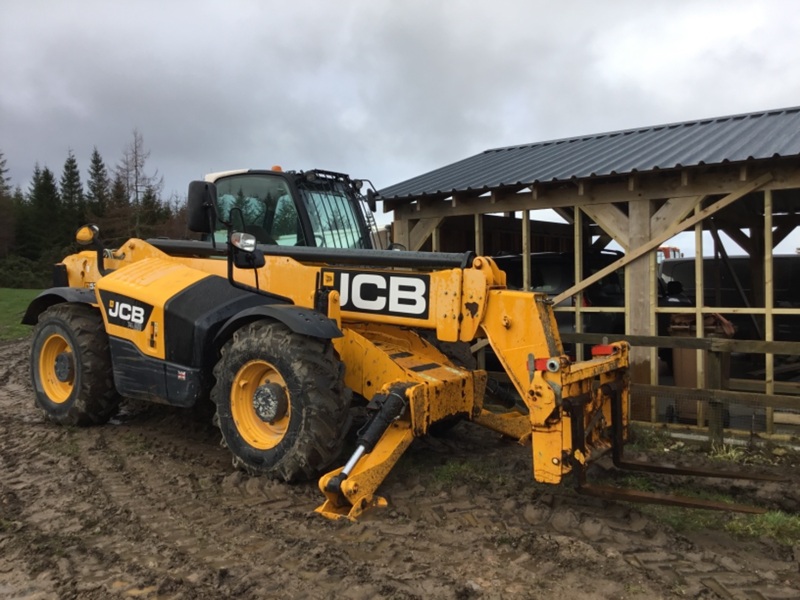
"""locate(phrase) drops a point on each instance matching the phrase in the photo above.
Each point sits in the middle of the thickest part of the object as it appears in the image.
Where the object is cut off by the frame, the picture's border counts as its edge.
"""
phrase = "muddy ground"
(149, 507)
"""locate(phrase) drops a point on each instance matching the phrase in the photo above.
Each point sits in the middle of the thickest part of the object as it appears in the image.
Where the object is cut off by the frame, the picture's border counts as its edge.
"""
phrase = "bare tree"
(138, 183)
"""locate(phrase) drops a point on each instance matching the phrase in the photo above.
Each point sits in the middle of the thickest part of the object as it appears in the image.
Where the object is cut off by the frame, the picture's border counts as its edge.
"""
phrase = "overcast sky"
(380, 89)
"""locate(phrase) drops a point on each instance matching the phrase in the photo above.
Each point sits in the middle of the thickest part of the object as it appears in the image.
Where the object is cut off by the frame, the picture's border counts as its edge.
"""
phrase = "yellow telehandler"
(285, 315)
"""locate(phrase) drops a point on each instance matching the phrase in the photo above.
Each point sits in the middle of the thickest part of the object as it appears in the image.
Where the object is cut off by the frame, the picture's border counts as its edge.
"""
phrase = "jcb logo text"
(399, 295)
(126, 312)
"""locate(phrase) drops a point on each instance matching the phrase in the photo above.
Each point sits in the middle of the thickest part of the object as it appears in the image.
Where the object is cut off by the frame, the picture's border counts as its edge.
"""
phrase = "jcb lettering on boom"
(382, 293)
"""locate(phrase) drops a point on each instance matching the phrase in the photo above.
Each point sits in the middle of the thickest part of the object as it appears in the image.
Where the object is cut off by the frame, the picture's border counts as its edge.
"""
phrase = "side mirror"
(200, 206)
(372, 200)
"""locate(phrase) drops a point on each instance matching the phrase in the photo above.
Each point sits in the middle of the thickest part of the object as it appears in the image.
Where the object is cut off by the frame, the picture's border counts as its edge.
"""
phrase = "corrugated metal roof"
(735, 138)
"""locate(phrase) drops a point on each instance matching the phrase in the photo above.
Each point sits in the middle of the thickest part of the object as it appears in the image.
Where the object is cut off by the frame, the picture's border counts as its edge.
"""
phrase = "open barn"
(731, 182)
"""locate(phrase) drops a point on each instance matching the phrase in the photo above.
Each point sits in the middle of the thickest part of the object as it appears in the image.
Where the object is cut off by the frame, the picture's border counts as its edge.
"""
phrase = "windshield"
(267, 209)
(332, 212)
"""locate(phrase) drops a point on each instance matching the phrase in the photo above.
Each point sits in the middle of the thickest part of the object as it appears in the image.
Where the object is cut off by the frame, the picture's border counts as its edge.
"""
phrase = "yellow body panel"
(379, 355)
(153, 281)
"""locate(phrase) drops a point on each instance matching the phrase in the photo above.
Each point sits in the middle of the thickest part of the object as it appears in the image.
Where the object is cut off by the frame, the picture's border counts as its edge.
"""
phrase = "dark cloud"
(381, 89)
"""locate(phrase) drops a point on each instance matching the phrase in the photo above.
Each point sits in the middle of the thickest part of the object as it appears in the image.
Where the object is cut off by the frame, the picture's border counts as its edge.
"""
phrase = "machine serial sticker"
(381, 293)
(125, 312)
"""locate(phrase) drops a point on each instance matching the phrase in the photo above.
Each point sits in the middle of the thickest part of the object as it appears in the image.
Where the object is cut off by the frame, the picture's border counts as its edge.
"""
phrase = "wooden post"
(480, 356)
(526, 249)
(714, 362)
(401, 232)
(769, 304)
(637, 301)
(478, 234)
(577, 229)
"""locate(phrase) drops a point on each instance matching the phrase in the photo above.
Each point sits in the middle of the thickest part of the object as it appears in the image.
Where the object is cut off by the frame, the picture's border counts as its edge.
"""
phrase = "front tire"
(282, 405)
(71, 367)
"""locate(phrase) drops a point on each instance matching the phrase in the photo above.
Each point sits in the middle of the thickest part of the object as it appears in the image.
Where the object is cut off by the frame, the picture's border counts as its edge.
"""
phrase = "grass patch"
(439, 471)
(457, 473)
(727, 453)
(776, 525)
(649, 439)
(13, 304)
(686, 520)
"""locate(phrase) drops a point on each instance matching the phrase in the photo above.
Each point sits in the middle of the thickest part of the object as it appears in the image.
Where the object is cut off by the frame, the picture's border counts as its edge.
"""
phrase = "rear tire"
(303, 378)
(71, 367)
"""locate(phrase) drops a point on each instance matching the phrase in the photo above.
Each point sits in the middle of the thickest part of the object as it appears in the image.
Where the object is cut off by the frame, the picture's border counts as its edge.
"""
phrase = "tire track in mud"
(67, 529)
(238, 526)
(151, 508)
(61, 534)
(256, 529)
(526, 518)
(695, 571)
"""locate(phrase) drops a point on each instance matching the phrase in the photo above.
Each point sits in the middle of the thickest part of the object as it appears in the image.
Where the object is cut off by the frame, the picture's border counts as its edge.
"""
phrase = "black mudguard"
(304, 321)
(53, 296)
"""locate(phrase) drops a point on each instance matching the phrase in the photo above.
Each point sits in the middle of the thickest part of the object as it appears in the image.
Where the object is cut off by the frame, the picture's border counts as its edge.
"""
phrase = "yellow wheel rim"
(57, 391)
(254, 430)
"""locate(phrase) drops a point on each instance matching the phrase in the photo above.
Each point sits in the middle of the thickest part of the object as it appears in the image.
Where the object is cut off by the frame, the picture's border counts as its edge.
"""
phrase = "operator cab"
(314, 208)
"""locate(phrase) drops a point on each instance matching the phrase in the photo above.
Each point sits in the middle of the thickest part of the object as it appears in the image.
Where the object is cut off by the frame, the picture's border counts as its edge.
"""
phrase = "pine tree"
(98, 188)
(147, 214)
(175, 225)
(5, 180)
(27, 236)
(7, 221)
(115, 224)
(72, 199)
(46, 226)
(44, 195)
(6, 210)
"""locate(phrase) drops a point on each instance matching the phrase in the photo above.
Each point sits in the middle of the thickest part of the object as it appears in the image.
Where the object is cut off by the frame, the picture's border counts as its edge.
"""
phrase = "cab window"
(266, 209)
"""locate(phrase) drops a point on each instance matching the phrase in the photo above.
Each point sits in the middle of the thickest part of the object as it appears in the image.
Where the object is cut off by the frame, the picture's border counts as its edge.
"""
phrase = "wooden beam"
(744, 398)
(401, 232)
(639, 298)
(769, 302)
(740, 238)
(612, 220)
(565, 214)
(656, 241)
(782, 231)
(422, 231)
(526, 250)
(674, 210)
(479, 235)
(637, 284)
(602, 241)
(654, 186)
(711, 344)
